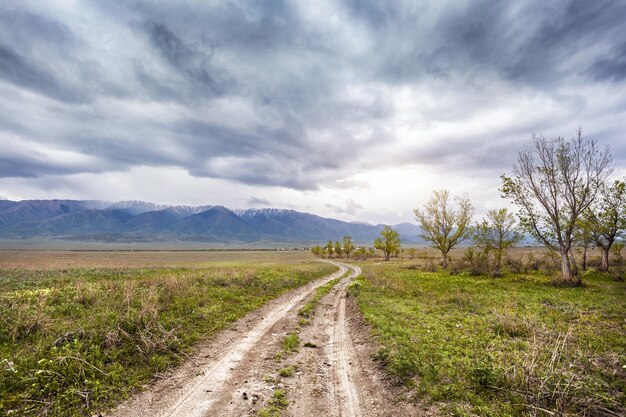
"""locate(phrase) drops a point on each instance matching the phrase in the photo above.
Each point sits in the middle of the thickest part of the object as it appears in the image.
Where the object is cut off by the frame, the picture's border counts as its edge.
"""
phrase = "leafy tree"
(445, 226)
(583, 238)
(317, 251)
(348, 247)
(389, 242)
(605, 220)
(554, 181)
(338, 250)
(361, 253)
(496, 234)
(330, 248)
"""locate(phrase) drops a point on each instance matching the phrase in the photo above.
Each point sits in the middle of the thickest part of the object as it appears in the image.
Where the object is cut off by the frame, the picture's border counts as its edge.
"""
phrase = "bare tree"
(389, 242)
(444, 226)
(496, 234)
(606, 218)
(554, 182)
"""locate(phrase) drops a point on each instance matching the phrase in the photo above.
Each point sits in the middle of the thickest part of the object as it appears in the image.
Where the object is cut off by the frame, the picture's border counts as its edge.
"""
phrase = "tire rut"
(196, 398)
(342, 357)
(237, 374)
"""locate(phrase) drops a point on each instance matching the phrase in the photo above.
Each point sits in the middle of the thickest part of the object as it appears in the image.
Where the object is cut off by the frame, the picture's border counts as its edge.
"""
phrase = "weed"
(269, 379)
(291, 343)
(276, 404)
(279, 399)
(286, 371)
(270, 411)
(354, 288)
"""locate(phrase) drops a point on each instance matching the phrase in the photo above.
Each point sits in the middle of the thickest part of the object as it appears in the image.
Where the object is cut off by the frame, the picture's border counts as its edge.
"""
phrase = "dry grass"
(76, 340)
(70, 259)
(507, 346)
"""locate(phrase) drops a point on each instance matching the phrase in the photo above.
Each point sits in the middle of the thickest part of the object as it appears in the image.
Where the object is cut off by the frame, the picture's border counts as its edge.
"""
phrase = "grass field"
(78, 337)
(506, 346)
(70, 259)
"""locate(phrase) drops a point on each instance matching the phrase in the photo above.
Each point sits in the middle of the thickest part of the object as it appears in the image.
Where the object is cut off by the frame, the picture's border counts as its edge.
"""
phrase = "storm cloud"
(302, 95)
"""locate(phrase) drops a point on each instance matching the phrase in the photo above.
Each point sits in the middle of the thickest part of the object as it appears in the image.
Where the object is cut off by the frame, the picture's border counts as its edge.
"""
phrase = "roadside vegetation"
(76, 341)
(514, 345)
(308, 308)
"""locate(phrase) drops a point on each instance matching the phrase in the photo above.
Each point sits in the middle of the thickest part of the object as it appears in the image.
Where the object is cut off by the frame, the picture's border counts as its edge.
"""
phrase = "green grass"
(276, 404)
(77, 341)
(287, 371)
(291, 343)
(508, 346)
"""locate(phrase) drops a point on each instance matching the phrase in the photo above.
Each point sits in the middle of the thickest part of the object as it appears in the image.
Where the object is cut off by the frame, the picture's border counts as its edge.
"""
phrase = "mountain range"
(138, 221)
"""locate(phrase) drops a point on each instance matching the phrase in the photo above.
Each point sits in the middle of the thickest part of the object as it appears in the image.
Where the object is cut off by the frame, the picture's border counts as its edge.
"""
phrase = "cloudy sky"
(349, 109)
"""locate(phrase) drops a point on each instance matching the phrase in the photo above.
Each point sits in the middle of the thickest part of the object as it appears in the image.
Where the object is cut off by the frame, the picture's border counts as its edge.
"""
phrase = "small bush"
(550, 262)
(483, 374)
(514, 265)
(430, 265)
(477, 261)
(354, 288)
(510, 326)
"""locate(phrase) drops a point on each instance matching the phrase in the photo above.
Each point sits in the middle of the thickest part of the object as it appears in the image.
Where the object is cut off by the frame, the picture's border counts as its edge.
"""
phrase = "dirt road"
(239, 373)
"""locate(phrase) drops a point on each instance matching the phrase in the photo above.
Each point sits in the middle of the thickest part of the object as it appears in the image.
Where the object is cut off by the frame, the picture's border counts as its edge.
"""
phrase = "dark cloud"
(612, 68)
(35, 165)
(17, 70)
(281, 94)
(256, 201)
(181, 56)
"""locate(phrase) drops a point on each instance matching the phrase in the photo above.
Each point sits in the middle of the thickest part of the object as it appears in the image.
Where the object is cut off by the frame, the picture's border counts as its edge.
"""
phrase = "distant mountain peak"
(132, 220)
(264, 211)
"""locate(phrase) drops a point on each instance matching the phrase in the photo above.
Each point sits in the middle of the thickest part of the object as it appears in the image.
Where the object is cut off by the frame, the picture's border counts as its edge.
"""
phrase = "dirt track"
(236, 374)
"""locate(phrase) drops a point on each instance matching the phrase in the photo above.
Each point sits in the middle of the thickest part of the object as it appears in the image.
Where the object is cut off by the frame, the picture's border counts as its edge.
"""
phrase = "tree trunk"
(444, 260)
(566, 267)
(585, 258)
(604, 265)
(498, 262)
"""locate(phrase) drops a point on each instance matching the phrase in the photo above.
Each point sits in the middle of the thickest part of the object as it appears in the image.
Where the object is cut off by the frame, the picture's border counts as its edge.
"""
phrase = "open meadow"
(80, 331)
(515, 345)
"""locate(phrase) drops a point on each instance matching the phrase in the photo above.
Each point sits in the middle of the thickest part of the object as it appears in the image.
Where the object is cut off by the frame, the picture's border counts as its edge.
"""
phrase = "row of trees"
(388, 243)
(564, 199)
(335, 250)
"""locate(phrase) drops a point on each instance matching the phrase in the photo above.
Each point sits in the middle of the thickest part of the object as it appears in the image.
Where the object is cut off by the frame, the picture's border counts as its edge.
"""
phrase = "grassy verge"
(74, 342)
(510, 346)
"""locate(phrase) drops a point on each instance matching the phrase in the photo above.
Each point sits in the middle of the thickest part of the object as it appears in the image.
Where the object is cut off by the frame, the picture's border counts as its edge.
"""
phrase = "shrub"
(477, 261)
